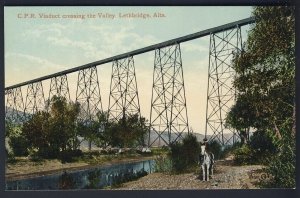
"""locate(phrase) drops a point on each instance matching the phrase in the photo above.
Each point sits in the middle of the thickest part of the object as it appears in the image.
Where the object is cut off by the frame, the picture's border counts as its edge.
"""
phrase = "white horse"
(207, 162)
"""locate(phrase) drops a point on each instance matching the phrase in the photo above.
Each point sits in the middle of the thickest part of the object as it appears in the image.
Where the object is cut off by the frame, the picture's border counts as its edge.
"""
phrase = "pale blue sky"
(37, 47)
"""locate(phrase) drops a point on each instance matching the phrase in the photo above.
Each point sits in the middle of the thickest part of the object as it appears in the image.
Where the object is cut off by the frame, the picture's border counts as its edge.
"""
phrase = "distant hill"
(9, 113)
(199, 136)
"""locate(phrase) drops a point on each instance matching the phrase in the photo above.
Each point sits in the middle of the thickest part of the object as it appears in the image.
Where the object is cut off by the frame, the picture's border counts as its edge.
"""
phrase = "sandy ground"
(27, 169)
(226, 176)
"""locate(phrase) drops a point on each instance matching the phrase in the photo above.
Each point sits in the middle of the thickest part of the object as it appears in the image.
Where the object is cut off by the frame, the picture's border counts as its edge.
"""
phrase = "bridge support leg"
(35, 100)
(168, 114)
(88, 95)
(14, 105)
(220, 92)
(123, 97)
(59, 87)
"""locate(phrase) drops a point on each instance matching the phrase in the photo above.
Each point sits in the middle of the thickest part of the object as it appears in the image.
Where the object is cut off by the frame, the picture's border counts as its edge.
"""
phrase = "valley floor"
(227, 176)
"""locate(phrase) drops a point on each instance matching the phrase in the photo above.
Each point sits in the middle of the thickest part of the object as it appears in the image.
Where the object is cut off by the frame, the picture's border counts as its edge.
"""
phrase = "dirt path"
(226, 176)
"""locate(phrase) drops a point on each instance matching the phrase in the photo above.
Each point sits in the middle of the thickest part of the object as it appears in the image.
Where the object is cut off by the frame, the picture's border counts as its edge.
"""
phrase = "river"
(94, 178)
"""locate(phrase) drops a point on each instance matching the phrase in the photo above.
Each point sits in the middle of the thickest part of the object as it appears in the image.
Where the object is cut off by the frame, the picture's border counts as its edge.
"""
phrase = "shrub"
(163, 164)
(258, 151)
(185, 154)
(18, 145)
(282, 168)
(69, 155)
(216, 148)
(33, 155)
(243, 155)
(48, 152)
(283, 165)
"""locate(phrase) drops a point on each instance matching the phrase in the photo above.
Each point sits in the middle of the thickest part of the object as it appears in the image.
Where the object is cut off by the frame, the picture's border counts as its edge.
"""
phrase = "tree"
(63, 126)
(241, 117)
(36, 131)
(54, 131)
(17, 143)
(126, 132)
(93, 130)
(265, 84)
(266, 68)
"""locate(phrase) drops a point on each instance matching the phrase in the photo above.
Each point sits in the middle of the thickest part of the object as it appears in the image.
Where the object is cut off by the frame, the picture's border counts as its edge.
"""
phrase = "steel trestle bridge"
(168, 113)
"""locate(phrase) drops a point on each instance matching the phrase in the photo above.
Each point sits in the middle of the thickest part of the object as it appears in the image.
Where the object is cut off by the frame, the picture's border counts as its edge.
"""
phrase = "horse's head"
(202, 149)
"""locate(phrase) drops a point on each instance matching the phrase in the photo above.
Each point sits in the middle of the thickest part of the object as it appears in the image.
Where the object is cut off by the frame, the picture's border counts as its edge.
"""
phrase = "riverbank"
(24, 168)
(226, 176)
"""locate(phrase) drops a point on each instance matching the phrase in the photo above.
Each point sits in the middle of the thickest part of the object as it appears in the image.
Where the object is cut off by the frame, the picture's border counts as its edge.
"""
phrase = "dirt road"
(227, 176)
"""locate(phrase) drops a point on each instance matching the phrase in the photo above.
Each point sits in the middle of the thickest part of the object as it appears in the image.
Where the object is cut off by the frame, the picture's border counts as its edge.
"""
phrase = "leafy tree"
(93, 130)
(265, 83)
(241, 117)
(36, 131)
(16, 140)
(266, 68)
(54, 131)
(126, 132)
(63, 131)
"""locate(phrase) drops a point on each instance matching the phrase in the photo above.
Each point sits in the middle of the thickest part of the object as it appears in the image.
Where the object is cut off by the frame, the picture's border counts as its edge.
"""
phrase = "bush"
(33, 155)
(184, 155)
(48, 152)
(69, 155)
(216, 148)
(282, 168)
(243, 155)
(18, 145)
(283, 165)
(258, 151)
(163, 164)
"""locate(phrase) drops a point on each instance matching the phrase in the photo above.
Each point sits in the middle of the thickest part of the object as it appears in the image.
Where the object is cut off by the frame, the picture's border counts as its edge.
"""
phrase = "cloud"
(34, 59)
(92, 41)
(21, 67)
(41, 30)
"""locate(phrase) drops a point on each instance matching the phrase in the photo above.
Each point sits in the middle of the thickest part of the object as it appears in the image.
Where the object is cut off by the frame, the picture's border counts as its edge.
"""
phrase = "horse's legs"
(207, 172)
(212, 170)
(203, 171)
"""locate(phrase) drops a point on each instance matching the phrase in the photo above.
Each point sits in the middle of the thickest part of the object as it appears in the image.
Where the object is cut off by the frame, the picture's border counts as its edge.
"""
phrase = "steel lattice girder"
(14, 105)
(123, 97)
(220, 91)
(145, 49)
(35, 100)
(168, 113)
(59, 87)
(88, 94)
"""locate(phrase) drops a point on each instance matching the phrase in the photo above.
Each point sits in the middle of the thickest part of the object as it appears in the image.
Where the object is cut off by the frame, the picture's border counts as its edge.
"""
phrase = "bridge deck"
(143, 50)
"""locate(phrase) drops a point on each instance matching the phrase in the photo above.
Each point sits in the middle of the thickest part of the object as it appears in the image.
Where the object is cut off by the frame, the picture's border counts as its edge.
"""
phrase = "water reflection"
(96, 178)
